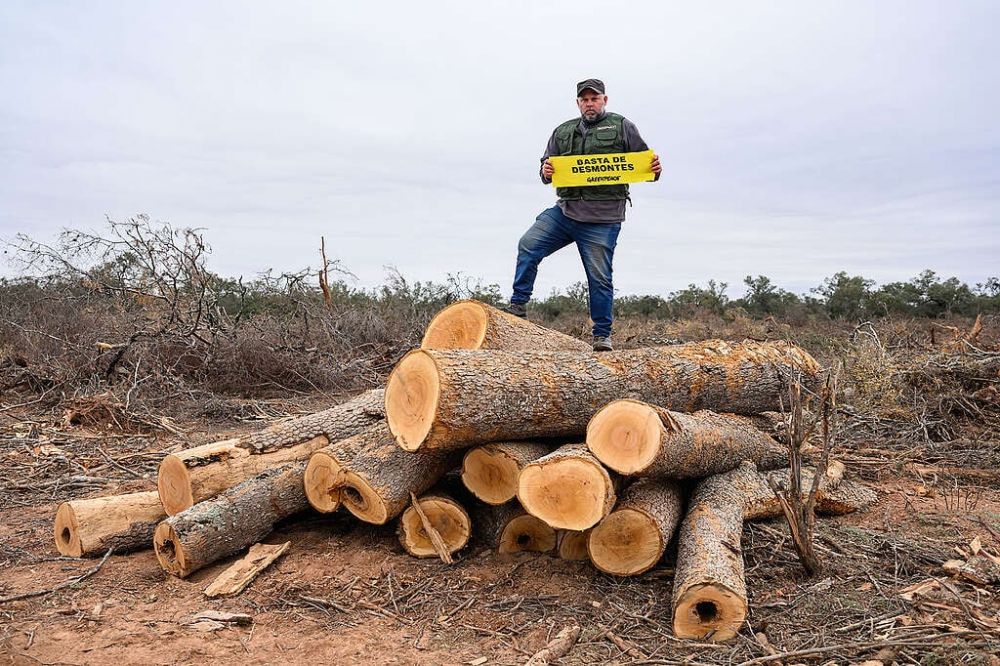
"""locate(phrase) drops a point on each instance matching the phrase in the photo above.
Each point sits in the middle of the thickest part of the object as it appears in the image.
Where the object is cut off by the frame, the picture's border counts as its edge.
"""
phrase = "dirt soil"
(347, 593)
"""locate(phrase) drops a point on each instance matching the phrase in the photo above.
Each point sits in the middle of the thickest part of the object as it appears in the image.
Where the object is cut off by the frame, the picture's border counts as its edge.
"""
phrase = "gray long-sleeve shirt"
(582, 210)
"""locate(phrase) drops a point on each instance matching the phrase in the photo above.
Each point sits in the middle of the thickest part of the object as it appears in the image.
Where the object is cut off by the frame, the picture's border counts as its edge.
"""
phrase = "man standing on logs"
(589, 216)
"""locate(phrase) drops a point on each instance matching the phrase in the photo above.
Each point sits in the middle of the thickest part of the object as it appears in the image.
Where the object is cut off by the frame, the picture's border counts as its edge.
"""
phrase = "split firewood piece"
(569, 488)
(572, 545)
(710, 596)
(490, 471)
(376, 484)
(557, 648)
(448, 518)
(230, 521)
(236, 578)
(633, 437)
(632, 538)
(324, 475)
(476, 325)
(439, 399)
(87, 527)
(196, 474)
(508, 529)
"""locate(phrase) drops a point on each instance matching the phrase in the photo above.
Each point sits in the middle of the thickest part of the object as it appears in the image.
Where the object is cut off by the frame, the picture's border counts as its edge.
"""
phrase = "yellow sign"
(609, 169)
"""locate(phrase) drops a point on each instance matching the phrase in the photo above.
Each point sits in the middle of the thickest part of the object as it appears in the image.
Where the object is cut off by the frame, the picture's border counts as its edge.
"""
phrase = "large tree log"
(633, 437)
(632, 538)
(508, 529)
(475, 325)
(447, 516)
(710, 596)
(490, 471)
(457, 398)
(376, 484)
(231, 521)
(92, 526)
(199, 473)
(324, 475)
(568, 489)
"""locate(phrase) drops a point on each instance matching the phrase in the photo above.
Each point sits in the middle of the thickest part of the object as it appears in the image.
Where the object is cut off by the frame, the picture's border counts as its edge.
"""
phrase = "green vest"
(608, 136)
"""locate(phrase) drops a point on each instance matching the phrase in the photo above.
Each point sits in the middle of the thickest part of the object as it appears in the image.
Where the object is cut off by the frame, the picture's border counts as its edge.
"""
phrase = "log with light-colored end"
(632, 538)
(710, 596)
(568, 489)
(572, 545)
(91, 526)
(324, 475)
(490, 471)
(633, 437)
(230, 521)
(447, 516)
(475, 325)
(376, 484)
(508, 529)
(456, 398)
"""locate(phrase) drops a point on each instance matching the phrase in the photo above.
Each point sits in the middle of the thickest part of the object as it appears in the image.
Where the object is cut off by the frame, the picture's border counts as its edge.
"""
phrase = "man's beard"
(590, 115)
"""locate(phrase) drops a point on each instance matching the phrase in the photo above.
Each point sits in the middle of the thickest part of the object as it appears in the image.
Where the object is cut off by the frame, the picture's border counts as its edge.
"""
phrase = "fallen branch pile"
(553, 447)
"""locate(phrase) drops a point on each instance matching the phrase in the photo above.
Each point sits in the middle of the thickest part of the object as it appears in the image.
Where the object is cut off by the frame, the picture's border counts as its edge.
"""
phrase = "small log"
(557, 648)
(202, 472)
(230, 521)
(475, 325)
(490, 471)
(376, 484)
(710, 597)
(568, 489)
(509, 529)
(447, 516)
(632, 538)
(88, 527)
(324, 475)
(633, 437)
(235, 579)
(572, 545)
(457, 398)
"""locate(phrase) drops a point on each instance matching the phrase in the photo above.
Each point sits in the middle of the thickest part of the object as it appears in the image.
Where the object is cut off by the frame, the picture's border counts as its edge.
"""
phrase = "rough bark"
(324, 475)
(377, 483)
(202, 472)
(572, 545)
(568, 489)
(91, 526)
(231, 521)
(557, 648)
(710, 598)
(507, 528)
(447, 516)
(475, 325)
(632, 538)
(457, 398)
(490, 471)
(637, 438)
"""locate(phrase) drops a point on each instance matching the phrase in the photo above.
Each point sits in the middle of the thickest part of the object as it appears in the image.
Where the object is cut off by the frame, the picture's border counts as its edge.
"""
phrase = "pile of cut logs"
(599, 456)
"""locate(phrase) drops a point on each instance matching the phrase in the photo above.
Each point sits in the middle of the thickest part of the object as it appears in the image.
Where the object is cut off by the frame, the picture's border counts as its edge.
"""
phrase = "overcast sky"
(798, 138)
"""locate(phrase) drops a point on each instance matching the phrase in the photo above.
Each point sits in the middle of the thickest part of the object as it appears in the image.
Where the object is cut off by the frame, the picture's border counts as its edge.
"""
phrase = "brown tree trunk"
(633, 437)
(710, 596)
(456, 398)
(231, 521)
(568, 489)
(199, 473)
(92, 526)
(490, 471)
(507, 529)
(376, 484)
(447, 516)
(324, 475)
(632, 538)
(475, 325)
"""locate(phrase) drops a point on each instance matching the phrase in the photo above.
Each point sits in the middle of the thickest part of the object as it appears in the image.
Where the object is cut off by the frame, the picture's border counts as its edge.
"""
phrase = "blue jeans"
(553, 231)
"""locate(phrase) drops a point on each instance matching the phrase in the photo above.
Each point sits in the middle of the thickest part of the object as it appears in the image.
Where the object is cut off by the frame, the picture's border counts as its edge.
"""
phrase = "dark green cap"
(593, 84)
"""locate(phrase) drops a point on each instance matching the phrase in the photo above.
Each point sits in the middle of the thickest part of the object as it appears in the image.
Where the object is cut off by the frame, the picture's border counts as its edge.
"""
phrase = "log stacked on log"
(568, 489)
(491, 471)
(475, 325)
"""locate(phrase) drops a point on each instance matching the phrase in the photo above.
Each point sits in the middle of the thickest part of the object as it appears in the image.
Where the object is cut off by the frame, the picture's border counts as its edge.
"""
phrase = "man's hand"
(547, 169)
(655, 166)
